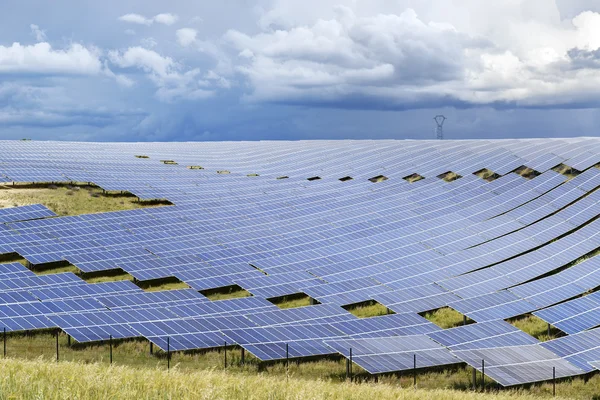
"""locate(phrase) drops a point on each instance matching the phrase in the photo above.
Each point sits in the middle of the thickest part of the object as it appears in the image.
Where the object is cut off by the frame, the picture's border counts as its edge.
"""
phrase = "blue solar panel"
(393, 353)
(490, 249)
(482, 335)
(519, 364)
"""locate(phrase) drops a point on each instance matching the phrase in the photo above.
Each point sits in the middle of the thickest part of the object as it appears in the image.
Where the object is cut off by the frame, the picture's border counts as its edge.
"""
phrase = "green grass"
(371, 310)
(536, 327)
(445, 318)
(233, 293)
(135, 355)
(58, 270)
(157, 286)
(110, 278)
(44, 379)
(293, 302)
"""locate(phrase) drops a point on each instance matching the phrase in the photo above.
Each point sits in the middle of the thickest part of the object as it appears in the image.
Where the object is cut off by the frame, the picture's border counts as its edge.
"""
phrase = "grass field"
(41, 379)
(84, 372)
(67, 200)
(135, 353)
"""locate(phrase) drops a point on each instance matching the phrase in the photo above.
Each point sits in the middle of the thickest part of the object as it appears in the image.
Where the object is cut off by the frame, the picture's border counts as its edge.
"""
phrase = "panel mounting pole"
(414, 371)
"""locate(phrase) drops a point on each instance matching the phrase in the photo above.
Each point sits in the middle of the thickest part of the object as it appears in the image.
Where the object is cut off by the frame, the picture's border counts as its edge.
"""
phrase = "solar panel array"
(319, 218)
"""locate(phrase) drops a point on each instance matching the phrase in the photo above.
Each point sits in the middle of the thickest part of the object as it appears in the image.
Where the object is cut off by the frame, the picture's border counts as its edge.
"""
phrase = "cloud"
(49, 118)
(403, 60)
(25, 105)
(583, 59)
(37, 33)
(41, 58)
(149, 42)
(172, 81)
(136, 19)
(186, 36)
(164, 18)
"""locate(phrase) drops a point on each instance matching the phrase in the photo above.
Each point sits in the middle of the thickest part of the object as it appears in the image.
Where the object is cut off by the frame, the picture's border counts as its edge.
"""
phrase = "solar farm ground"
(516, 243)
(51, 381)
(202, 374)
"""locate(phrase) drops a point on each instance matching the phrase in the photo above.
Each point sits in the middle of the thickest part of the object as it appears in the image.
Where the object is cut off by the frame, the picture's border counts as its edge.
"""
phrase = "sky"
(149, 70)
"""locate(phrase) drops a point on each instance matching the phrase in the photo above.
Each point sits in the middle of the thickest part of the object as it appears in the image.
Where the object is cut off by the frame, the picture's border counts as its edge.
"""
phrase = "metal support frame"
(483, 375)
(351, 377)
(415, 371)
(439, 130)
(554, 381)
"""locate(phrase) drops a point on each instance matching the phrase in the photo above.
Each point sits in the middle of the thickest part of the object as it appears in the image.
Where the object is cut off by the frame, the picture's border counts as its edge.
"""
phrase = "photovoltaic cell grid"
(491, 250)
(516, 365)
(391, 354)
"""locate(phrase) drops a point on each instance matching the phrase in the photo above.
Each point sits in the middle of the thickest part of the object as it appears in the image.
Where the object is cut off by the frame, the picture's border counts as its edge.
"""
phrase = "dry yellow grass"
(41, 379)
(66, 201)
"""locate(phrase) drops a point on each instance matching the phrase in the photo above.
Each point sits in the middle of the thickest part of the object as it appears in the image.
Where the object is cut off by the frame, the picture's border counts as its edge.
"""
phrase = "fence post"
(57, 345)
(243, 361)
(151, 348)
(483, 375)
(287, 359)
(5, 342)
(168, 354)
(110, 346)
(225, 358)
(69, 340)
(415, 371)
(474, 378)
(554, 381)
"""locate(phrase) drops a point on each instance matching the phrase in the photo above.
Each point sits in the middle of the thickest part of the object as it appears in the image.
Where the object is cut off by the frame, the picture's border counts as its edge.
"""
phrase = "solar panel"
(482, 335)
(579, 349)
(518, 365)
(392, 354)
(269, 343)
(492, 248)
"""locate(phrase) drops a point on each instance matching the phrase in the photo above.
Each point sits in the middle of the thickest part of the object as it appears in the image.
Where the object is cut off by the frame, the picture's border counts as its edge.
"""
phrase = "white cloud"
(130, 32)
(149, 42)
(186, 36)
(136, 19)
(467, 55)
(172, 81)
(41, 58)
(37, 33)
(164, 18)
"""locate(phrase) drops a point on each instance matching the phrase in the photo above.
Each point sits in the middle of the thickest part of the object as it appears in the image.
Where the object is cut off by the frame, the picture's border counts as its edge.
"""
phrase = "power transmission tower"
(439, 130)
